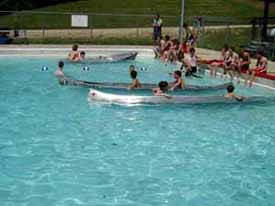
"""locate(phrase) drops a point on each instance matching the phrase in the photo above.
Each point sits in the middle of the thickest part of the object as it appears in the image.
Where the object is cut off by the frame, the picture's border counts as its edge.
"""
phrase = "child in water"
(59, 72)
(178, 83)
(135, 81)
(231, 95)
(74, 55)
(161, 90)
(82, 55)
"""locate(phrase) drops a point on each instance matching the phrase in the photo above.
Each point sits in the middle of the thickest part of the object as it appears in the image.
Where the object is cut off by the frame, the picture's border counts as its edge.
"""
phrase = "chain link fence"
(56, 25)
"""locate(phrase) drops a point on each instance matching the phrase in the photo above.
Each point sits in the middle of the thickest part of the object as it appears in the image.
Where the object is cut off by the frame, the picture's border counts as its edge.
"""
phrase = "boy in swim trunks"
(231, 95)
(74, 54)
(178, 83)
(162, 89)
(59, 72)
(135, 82)
(214, 64)
(244, 64)
(132, 68)
(191, 61)
(261, 67)
(82, 56)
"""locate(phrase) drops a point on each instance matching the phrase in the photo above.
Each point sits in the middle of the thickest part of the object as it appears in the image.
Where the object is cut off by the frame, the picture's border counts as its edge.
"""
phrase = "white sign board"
(79, 21)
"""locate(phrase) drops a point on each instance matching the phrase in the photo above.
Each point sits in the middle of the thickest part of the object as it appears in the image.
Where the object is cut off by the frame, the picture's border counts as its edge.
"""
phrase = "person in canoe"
(74, 55)
(162, 90)
(135, 82)
(178, 83)
(64, 79)
(231, 95)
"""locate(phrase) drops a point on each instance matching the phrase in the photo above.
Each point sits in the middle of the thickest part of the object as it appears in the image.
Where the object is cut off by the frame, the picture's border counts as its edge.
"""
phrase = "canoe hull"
(145, 87)
(98, 96)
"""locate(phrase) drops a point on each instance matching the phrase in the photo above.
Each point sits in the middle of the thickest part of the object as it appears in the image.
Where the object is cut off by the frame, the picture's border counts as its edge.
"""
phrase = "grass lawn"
(236, 9)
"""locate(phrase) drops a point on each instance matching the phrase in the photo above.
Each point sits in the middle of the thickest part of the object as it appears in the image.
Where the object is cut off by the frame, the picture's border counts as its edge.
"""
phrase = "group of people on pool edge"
(235, 65)
(75, 55)
(232, 63)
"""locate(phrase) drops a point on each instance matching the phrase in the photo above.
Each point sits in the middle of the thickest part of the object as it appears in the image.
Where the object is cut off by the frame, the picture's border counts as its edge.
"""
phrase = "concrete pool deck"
(102, 49)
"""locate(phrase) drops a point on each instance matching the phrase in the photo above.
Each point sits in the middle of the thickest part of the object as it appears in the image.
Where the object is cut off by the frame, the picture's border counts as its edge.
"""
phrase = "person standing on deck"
(157, 26)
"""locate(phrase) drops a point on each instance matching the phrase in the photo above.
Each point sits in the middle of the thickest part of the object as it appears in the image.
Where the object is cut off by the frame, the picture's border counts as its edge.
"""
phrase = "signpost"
(181, 22)
(79, 21)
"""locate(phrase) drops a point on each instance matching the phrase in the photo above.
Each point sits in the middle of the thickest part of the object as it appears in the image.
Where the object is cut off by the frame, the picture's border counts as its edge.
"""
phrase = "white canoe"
(145, 86)
(108, 59)
(95, 95)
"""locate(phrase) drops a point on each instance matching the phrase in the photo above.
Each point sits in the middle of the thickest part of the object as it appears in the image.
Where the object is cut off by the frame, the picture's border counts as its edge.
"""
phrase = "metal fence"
(46, 25)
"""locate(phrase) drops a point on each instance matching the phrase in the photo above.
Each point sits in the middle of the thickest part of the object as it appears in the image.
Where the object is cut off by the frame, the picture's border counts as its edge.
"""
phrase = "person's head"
(132, 68)
(60, 64)
(163, 86)
(230, 53)
(167, 37)
(259, 54)
(230, 88)
(82, 54)
(175, 42)
(177, 74)
(232, 49)
(171, 57)
(185, 25)
(157, 16)
(225, 47)
(75, 47)
(192, 50)
(133, 74)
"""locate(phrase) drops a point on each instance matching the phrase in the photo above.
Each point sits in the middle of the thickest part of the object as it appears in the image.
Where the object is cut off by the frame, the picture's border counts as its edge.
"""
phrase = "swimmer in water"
(178, 83)
(82, 56)
(59, 72)
(162, 90)
(231, 95)
(74, 54)
(135, 81)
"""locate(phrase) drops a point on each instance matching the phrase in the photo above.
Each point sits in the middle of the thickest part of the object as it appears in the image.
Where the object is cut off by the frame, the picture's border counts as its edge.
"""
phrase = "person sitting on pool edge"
(132, 68)
(74, 54)
(191, 62)
(178, 83)
(231, 95)
(261, 67)
(162, 89)
(135, 81)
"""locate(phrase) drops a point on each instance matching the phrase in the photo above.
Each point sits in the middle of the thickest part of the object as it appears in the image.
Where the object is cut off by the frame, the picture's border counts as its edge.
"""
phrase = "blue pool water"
(57, 149)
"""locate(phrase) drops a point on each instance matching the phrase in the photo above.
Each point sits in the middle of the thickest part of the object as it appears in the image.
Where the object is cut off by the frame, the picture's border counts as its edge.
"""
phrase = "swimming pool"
(57, 149)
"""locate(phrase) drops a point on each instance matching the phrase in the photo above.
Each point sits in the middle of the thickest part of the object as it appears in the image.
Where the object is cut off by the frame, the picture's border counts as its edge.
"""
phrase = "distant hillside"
(219, 9)
(28, 4)
(225, 8)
